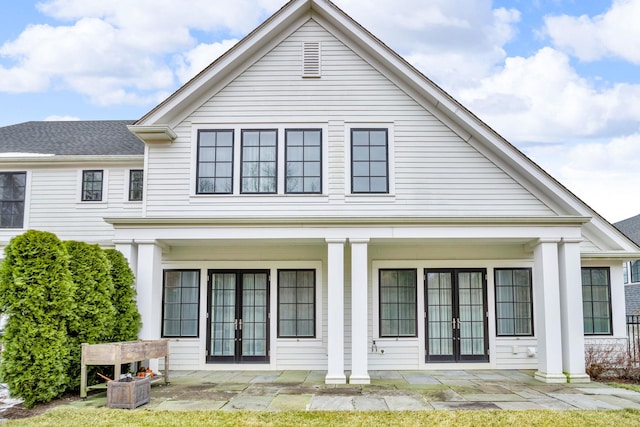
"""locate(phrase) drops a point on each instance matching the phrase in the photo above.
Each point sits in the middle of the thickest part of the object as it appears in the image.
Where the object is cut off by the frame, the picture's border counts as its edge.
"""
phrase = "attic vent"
(311, 59)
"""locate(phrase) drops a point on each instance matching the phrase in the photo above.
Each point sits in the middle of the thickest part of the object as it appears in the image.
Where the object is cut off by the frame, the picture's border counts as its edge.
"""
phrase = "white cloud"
(605, 175)
(615, 33)
(198, 58)
(542, 99)
(55, 118)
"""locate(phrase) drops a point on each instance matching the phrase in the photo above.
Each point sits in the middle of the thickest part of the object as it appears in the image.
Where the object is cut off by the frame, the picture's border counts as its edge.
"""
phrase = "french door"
(456, 315)
(238, 316)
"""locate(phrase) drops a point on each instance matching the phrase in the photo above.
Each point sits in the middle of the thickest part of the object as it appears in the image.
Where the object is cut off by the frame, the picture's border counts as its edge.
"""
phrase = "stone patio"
(388, 391)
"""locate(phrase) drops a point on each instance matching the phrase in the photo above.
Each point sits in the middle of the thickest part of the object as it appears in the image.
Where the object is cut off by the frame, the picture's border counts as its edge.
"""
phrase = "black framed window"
(596, 301)
(92, 185)
(12, 194)
(303, 157)
(259, 161)
(635, 271)
(369, 161)
(180, 303)
(136, 177)
(215, 162)
(514, 302)
(296, 303)
(397, 294)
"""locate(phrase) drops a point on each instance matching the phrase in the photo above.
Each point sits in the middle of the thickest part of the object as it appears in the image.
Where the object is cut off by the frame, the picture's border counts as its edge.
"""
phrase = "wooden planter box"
(128, 394)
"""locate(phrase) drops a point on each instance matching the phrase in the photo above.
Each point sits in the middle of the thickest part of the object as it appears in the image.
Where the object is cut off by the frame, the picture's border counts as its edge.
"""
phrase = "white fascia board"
(155, 134)
(70, 160)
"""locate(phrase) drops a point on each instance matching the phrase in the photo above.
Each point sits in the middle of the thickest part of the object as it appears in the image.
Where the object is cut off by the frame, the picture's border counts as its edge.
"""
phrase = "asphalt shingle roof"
(69, 138)
(630, 227)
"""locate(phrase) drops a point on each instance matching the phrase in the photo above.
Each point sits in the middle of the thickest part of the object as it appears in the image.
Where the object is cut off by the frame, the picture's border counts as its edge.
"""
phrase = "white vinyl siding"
(436, 171)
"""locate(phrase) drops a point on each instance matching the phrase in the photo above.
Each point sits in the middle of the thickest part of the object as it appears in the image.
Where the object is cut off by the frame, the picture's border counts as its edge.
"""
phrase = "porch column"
(359, 319)
(130, 252)
(149, 291)
(546, 288)
(573, 363)
(335, 322)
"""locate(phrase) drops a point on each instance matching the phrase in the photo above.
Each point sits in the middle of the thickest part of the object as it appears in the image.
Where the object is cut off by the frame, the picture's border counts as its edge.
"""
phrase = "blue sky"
(560, 79)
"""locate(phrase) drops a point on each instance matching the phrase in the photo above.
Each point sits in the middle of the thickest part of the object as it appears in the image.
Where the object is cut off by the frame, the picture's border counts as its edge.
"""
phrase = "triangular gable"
(158, 124)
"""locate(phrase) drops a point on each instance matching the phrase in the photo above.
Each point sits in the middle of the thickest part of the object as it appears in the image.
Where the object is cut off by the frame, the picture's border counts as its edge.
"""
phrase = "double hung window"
(180, 303)
(135, 184)
(398, 296)
(303, 156)
(369, 161)
(12, 194)
(92, 185)
(596, 301)
(259, 161)
(296, 303)
(514, 303)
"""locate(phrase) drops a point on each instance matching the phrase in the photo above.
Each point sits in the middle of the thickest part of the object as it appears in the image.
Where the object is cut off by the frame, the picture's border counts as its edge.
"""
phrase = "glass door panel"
(439, 316)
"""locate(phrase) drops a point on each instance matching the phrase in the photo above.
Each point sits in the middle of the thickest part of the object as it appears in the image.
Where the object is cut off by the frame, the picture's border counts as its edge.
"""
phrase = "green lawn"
(121, 418)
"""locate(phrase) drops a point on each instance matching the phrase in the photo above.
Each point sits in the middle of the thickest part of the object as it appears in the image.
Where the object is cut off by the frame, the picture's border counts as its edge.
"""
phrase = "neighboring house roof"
(632, 299)
(71, 138)
(631, 228)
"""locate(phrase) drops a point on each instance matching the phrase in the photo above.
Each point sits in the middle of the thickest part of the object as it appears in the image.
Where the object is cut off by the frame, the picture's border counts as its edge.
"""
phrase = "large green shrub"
(36, 294)
(127, 321)
(95, 315)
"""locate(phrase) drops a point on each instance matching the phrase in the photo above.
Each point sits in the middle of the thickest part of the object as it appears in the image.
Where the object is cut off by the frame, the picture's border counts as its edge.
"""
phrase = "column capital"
(123, 241)
(333, 240)
(358, 240)
(572, 240)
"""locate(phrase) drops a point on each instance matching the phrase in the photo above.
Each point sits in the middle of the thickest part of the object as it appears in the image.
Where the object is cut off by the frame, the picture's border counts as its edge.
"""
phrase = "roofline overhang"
(433, 221)
(155, 134)
(39, 160)
(613, 256)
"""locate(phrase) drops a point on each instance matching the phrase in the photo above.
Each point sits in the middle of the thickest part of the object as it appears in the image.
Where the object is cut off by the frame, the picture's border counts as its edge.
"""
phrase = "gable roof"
(71, 138)
(156, 126)
(631, 228)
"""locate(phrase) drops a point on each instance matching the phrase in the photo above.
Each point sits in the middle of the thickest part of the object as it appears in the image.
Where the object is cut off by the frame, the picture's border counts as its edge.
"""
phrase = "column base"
(360, 379)
(550, 378)
(335, 379)
(578, 378)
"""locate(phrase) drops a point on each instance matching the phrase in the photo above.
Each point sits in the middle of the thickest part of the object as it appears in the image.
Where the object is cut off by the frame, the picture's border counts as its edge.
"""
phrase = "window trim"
(198, 287)
(608, 271)
(286, 131)
(131, 171)
(82, 185)
(314, 310)
(495, 289)
(23, 201)
(415, 303)
(276, 131)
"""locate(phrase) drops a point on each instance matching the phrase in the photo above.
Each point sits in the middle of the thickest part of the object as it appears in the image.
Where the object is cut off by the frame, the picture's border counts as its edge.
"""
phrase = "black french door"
(238, 316)
(456, 315)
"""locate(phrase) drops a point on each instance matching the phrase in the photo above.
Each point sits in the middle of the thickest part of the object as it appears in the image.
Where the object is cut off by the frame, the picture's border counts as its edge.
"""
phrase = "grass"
(122, 418)
(633, 387)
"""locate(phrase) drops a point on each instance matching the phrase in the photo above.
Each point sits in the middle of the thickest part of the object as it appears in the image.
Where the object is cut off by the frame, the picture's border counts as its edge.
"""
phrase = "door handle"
(458, 322)
(240, 324)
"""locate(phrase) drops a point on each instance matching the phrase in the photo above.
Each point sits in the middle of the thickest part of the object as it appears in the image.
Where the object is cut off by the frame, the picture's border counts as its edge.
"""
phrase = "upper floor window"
(596, 301)
(92, 185)
(12, 193)
(215, 162)
(259, 161)
(180, 303)
(514, 302)
(135, 184)
(398, 290)
(369, 161)
(635, 271)
(303, 156)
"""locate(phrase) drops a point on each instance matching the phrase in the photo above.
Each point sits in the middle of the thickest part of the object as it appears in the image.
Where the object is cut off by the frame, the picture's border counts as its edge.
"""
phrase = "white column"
(130, 252)
(335, 322)
(546, 288)
(149, 291)
(571, 309)
(359, 318)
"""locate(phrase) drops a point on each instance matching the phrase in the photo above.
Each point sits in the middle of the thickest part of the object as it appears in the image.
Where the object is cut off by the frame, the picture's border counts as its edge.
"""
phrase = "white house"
(312, 201)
